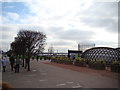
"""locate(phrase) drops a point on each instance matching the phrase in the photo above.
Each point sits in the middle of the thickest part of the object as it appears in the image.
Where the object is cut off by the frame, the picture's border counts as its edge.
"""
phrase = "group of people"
(14, 63)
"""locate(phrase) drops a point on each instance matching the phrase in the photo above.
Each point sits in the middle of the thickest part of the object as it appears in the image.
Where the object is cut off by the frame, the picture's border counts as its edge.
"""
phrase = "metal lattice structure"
(101, 53)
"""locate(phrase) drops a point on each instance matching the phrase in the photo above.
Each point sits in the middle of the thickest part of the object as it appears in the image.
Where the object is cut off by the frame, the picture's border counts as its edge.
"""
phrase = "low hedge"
(62, 60)
(68, 61)
(95, 64)
(115, 66)
(99, 64)
(80, 62)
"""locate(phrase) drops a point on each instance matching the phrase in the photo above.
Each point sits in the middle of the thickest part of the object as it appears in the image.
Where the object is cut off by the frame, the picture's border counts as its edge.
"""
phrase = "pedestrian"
(17, 64)
(37, 58)
(26, 62)
(12, 62)
(73, 59)
(4, 63)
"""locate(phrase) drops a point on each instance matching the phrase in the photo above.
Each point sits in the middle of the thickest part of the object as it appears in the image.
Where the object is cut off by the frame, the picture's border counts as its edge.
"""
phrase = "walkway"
(45, 74)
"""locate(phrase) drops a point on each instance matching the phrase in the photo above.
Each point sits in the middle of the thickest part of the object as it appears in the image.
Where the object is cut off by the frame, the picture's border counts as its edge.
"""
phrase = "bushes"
(95, 64)
(115, 66)
(46, 57)
(68, 61)
(99, 64)
(62, 60)
(53, 59)
(80, 62)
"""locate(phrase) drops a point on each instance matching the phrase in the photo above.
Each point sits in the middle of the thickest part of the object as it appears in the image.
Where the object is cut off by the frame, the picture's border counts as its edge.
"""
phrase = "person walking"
(17, 64)
(26, 62)
(12, 62)
(4, 63)
(37, 58)
(73, 59)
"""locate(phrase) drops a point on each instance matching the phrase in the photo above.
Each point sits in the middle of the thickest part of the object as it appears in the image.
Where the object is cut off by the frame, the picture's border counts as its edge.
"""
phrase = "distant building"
(85, 46)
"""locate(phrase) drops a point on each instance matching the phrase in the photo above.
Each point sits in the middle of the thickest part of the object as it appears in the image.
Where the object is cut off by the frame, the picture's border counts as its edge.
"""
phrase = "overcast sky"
(65, 22)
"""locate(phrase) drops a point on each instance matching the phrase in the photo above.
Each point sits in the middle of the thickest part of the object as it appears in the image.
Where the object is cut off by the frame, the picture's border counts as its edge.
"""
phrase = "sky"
(65, 22)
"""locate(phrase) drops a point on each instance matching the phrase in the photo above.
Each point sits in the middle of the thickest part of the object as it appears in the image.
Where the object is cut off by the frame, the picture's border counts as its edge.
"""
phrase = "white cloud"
(77, 35)
(101, 15)
(8, 34)
(74, 13)
(44, 0)
(10, 18)
(0, 19)
(17, 0)
(13, 16)
(67, 22)
(61, 39)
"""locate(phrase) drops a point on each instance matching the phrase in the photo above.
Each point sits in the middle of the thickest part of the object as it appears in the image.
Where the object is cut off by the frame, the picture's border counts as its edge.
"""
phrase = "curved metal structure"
(101, 53)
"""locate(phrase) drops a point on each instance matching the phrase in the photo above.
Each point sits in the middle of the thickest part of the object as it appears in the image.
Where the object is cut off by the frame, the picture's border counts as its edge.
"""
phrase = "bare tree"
(19, 47)
(30, 43)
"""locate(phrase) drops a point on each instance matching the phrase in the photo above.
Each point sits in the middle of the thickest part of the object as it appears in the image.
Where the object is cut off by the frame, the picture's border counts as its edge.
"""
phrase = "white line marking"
(70, 82)
(43, 80)
(34, 70)
(61, 84)
(76, 86)
(32, 75)
(44, 73)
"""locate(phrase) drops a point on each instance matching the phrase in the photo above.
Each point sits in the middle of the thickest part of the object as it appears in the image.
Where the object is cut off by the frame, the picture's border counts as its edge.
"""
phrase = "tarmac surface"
(45, 74)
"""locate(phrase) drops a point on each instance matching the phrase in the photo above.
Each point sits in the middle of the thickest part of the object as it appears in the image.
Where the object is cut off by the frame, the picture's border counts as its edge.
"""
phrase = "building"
(101, 53)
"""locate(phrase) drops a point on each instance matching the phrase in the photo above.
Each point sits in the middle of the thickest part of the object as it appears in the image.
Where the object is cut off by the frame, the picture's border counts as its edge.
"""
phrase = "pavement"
(45, 74)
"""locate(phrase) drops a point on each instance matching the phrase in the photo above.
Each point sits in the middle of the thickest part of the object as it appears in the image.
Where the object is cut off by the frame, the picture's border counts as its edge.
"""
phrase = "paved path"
(50, 76)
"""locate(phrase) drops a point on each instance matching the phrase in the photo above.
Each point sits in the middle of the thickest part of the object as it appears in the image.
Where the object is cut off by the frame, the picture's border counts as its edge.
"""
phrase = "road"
(50, 76)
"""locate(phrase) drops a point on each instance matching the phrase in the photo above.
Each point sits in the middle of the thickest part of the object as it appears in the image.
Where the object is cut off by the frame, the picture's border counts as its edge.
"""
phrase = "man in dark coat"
(26, 62)
(12, 62)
